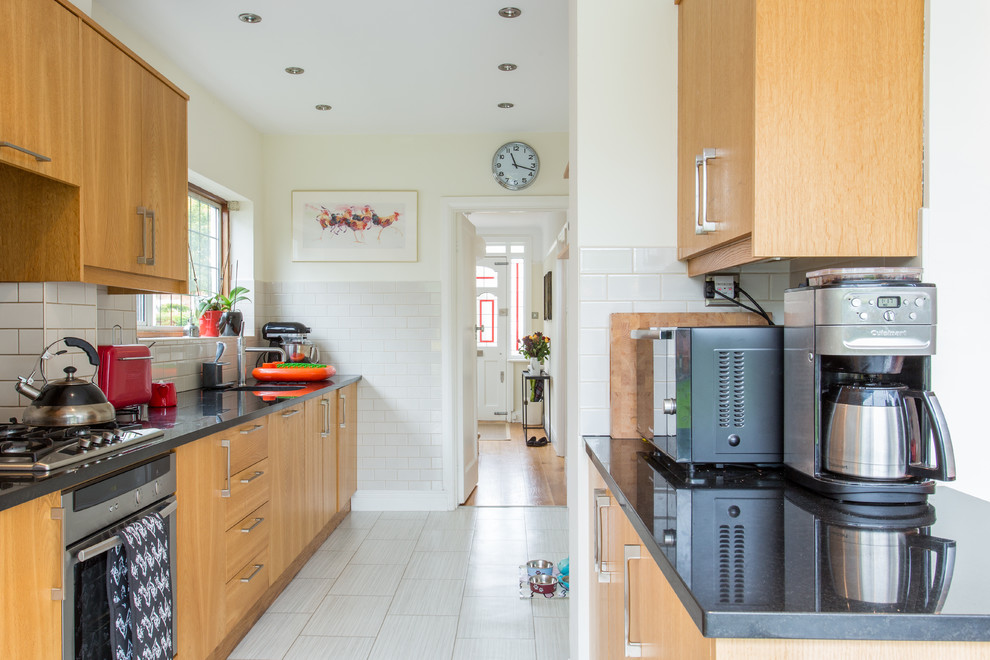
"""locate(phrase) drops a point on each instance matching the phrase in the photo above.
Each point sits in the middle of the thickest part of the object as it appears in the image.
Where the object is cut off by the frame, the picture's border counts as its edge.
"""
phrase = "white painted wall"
(956, 232)
(434, 165)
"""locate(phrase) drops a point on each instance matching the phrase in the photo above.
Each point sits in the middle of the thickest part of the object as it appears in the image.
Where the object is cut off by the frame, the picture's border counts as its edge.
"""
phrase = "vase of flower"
(534, 365)
(537, 348)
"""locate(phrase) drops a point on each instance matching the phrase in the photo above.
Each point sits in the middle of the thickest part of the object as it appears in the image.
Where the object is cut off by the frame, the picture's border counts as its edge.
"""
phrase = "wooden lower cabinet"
(291, 488)
(347, 444)
(633, 588)
(321, 430)
(30, 614)
(224, 485)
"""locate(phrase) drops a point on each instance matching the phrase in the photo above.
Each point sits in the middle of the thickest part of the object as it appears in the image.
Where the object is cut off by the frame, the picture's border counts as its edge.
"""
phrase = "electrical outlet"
(726, 284)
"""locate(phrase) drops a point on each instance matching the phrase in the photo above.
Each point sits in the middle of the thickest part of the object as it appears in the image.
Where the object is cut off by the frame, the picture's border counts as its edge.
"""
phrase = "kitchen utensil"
(539, 567)
(220, 348)
(289, 371)
(873, 428)
(213, 376)
(163, 395)
(68, 402)
(124, 374)
(543, 584)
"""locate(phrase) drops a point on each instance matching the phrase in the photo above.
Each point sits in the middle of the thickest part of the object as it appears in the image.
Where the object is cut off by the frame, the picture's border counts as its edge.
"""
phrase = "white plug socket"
(724, 284)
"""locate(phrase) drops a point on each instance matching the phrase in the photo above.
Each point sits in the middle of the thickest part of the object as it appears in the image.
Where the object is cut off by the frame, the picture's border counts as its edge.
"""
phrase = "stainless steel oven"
(93, 516)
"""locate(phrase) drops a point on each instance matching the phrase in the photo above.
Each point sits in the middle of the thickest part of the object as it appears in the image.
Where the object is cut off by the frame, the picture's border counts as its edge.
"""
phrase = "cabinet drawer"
(245, 588)
(247, 539)
(249, 489)
(248, 444)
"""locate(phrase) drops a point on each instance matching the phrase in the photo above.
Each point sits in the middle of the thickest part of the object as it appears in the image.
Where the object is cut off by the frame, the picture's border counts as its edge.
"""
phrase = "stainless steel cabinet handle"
(343, 411)
(225, 492)
(601, 502)
(257, 521)
(37, 157)
(701, 193)
(146, 214)
(291, 413)
(252, 429)
(132, 359)
(251, 478)
(257, 569)
(326, 418)
(629, 552)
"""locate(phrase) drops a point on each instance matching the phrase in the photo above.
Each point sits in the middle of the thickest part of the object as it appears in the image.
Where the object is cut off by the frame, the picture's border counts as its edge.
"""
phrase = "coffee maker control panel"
(875, 305)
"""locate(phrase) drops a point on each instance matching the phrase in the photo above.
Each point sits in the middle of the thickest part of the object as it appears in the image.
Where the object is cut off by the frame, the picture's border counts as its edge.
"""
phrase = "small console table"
(528, 376)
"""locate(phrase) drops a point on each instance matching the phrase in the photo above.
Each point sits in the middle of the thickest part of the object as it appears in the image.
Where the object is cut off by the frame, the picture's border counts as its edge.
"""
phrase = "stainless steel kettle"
(68, 402)
(875, 432)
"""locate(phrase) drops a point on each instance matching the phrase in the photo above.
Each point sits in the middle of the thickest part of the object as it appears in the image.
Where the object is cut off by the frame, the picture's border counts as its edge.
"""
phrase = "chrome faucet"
(242, 349)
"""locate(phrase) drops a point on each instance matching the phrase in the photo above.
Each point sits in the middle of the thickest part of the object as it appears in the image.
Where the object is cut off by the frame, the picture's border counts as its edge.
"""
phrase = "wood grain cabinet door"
(321, 436)
(347, 444)
(111, 191)
(39, 88)
(289, 497)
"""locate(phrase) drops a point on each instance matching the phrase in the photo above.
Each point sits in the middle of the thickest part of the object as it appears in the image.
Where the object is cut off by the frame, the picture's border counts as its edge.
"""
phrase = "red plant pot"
(208, 323)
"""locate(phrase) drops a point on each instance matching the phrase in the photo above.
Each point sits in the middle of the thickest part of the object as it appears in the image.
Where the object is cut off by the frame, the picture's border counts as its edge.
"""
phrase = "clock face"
(515, 165)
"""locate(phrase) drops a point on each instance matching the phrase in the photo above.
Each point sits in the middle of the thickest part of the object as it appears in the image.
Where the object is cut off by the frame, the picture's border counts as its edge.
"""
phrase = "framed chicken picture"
(354, 225)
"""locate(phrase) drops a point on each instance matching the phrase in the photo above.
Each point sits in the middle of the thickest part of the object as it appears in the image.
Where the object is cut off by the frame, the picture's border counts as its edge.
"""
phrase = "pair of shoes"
(533, 442)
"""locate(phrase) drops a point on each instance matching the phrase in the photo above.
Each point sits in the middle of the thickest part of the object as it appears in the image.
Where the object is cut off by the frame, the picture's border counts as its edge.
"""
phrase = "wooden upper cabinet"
(134, 189)
(811, 115)
(39, 88)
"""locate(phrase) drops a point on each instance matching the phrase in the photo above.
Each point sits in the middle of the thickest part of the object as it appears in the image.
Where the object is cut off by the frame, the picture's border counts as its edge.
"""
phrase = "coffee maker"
(860, 422)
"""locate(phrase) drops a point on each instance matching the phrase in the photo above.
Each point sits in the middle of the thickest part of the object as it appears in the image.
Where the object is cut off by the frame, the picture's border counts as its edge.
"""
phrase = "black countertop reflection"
(199, 413)
(750, 554)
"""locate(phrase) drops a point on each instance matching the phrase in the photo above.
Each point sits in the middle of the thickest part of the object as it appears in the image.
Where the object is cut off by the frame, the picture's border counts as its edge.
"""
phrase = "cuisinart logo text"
(888, 333)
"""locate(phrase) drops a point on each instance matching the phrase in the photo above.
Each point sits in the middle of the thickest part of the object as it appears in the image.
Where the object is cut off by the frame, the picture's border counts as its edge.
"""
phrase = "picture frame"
(355, 225)
(548, 296)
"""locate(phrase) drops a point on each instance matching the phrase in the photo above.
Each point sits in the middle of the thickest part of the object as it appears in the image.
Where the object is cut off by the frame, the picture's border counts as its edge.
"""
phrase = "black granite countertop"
(199, 413)
(750, 554)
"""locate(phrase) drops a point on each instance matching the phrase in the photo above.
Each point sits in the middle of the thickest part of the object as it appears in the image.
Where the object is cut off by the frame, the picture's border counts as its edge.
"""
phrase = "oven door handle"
(104, 546)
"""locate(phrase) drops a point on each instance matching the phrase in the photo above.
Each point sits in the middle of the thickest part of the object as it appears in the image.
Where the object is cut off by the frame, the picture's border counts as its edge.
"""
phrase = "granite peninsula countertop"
(199, 413)
(750, 554)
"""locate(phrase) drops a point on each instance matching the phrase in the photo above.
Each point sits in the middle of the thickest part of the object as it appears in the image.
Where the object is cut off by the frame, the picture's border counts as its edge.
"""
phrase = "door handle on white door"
(501, 376)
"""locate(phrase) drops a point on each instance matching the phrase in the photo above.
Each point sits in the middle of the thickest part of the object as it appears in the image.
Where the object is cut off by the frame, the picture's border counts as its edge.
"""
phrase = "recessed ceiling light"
(249, 18)
(509, 12)
(506, 105)
(294, 70)
(323, 106)
(507, 67)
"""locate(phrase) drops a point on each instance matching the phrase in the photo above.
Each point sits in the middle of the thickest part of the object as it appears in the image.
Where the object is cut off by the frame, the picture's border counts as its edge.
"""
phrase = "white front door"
(492, 312)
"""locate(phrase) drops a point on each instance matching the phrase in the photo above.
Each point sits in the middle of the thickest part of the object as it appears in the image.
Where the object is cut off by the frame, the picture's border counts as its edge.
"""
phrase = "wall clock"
(515, 165)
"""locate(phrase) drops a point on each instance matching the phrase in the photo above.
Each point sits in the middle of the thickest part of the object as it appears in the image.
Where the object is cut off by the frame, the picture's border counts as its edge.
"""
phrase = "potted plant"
(217, 313)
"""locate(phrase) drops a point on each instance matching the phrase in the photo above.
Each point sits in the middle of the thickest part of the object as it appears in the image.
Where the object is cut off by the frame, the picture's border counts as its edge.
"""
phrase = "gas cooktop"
(45, 448)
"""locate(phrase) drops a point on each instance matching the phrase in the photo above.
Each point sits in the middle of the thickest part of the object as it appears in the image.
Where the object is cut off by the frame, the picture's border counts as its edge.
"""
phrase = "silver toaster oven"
(711, 395)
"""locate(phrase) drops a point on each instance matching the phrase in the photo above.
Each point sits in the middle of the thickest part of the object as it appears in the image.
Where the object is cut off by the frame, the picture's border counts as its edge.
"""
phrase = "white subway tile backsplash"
(778, 284)
(657, 260)
(755, 284)
(633, 287)
(9, 342)
(596, 314)
(606, 260)
(30, 292)
(22, 315)
(593, 287)
(8, 292)
(659, 306)
(681, 287)
(593, 341)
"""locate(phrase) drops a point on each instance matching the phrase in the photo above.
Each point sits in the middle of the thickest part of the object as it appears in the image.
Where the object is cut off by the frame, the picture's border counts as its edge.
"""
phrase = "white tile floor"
(421, 586)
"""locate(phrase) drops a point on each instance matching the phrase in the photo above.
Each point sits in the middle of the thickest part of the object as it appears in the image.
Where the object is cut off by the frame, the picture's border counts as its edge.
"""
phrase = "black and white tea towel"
(139, 588)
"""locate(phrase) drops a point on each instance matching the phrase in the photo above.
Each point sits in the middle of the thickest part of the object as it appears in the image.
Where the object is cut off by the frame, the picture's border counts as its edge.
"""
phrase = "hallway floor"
(512, 474)
(439, 585)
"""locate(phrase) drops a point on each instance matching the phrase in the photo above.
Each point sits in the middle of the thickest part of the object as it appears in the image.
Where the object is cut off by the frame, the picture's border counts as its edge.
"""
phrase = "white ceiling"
(386, 66)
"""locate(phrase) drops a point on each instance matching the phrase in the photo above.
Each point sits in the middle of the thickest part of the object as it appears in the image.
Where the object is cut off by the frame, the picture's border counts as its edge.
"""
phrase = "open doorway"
(517, 255)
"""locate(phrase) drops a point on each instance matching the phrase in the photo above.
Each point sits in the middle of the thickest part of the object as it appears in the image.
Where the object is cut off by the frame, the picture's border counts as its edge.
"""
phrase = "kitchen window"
(209, 268)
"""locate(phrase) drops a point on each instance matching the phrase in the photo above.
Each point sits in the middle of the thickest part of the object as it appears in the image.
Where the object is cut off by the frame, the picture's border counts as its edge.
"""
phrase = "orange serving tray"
(275, 371)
